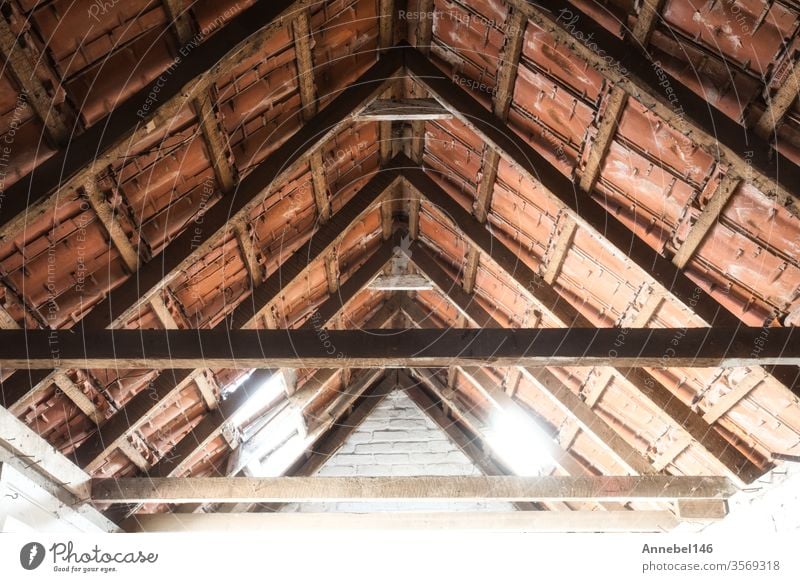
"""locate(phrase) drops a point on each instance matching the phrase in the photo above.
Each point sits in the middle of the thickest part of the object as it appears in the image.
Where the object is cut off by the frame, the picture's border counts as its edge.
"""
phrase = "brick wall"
(398, 440)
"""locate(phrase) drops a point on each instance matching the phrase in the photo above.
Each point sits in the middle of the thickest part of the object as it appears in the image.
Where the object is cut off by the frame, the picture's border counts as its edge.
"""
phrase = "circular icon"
(31, 555)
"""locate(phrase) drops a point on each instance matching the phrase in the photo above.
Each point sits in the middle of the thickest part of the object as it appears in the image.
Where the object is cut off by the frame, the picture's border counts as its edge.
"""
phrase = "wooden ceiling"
(255, 165)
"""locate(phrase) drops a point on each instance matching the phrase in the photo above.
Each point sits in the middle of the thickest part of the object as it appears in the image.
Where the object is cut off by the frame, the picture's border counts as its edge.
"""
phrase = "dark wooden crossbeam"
(431, 348)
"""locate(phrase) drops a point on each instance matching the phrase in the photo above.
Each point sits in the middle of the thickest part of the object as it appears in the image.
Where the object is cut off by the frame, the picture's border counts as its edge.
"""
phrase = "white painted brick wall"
(398, 440)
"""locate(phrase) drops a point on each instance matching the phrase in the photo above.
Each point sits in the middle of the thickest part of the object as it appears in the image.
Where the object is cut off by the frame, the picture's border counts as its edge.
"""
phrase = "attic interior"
(472, 263)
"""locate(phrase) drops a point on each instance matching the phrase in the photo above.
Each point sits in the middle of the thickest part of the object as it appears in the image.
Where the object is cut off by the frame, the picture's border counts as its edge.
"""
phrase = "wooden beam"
(244, 239)
(216, 142)
(110, 138)
(163, 313)
(181, 20)
(510, 521)
(614, 104)
(558, 254)
(332, 272)
(447, 489)
(40, 456)
(424, 39)
(489, 167)
(508, 66)
(471, 269)
(779, 103)
(23, 64)
(387, 22)
(238, 348)
(420, 109)
(77, 396)
(681, 108)
(722, 406)
(301, 26)
(22, 459)
(649, 13)
(106, 214)
(706, 221)
(608, 118)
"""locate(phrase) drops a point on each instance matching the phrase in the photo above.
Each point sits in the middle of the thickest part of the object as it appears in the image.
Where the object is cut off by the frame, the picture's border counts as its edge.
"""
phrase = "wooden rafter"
(706, 221)
(89, 152)
(107, 216)
(32, 455)
(718, 135)
(19, 58)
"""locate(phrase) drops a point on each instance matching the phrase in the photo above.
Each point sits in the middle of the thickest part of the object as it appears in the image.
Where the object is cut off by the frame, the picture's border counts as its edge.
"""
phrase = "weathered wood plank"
(333, 489)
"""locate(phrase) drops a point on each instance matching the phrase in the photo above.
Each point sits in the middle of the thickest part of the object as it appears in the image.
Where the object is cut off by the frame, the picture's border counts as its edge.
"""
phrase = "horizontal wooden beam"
(333, 489)
(404, 110)
(515, 521)
(224, 348)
